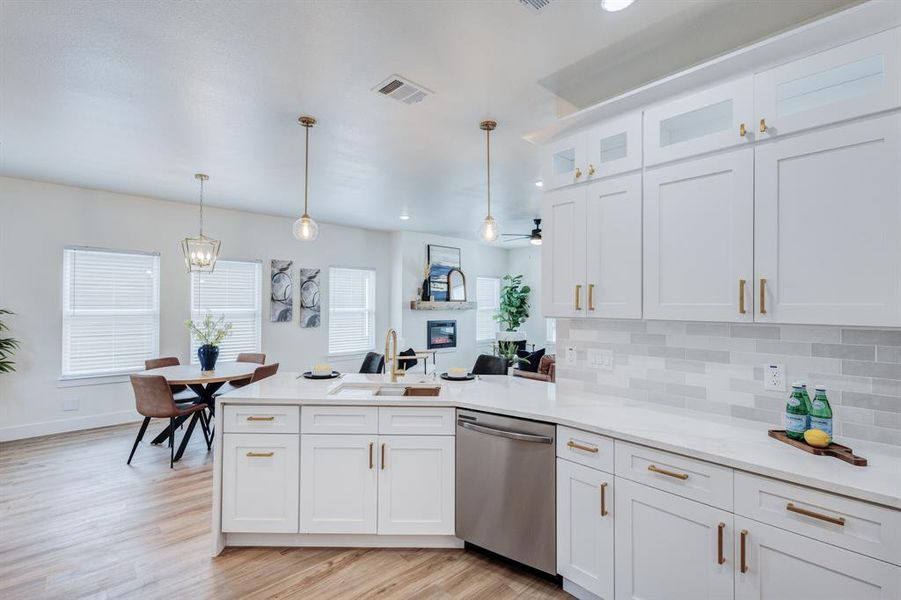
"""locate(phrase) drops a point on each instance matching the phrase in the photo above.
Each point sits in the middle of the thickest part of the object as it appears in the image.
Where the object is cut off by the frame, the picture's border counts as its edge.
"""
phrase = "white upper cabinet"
(828, 226)
(565, 162)
(613, 257)
(855, 79)
(614, 147)
(563, 291)
(713, 119)
(698, 239)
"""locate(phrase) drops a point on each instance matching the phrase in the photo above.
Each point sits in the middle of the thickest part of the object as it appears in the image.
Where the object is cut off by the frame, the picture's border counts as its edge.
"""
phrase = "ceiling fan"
(534, 237)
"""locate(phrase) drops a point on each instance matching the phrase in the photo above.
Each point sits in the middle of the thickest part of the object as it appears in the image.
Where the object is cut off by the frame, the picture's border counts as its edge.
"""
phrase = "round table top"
(191, 374)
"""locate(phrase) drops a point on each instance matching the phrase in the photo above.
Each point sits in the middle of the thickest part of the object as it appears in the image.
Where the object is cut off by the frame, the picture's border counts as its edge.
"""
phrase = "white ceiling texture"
(135, 97)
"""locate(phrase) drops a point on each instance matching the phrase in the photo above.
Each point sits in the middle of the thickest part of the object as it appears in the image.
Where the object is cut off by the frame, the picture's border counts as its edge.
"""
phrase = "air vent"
(402, 90)
(535, 6)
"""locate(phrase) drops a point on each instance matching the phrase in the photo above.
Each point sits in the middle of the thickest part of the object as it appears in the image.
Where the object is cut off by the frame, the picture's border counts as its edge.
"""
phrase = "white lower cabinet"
(670, 548)
(585, 527)
(416, 485)
(779, 564)
(260, 482)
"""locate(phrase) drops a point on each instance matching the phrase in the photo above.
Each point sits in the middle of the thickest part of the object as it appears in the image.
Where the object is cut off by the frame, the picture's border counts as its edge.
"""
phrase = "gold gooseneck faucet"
(392, 337)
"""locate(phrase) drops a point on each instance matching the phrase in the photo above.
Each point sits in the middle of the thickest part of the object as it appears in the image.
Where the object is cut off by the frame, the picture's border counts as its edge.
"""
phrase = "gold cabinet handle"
(591, 169)
(720, 559)
(578, 446)
(578, 172)
(741, 296)
(253, 418)
(604, 499)
(742, 130)
(762, 296)
(590, 296)
(260, 454)
(762, 125)
(809, 513)
(383, 456)
(656, 469)
(578, 297)
(370, 454)
(744, 561)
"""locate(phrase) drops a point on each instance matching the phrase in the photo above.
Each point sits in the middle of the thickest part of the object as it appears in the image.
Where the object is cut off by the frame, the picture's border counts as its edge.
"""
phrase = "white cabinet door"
(613, 218)
(564, 162)
(339, 484)
(260, 482)
(698, 239)
(585, 527)
(848, 81)
(828, 226)
(614, 147)
(670, 548)
(712, 119)
(779, 564)
(416, 485)
(563, 291)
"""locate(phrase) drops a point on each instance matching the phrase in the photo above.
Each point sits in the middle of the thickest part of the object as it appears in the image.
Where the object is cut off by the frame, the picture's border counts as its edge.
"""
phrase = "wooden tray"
(837, 450)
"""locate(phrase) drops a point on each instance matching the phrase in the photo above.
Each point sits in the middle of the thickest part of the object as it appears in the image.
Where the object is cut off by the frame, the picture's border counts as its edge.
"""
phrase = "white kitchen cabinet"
(855, 79)
(670, 548)
(416, 485)
(614, 147)
(698, 239)
(779, 564)
(565, 162)
(585, 527)
(260, 482)
(563, 253)
(712, 119)
(340, 484)
(828, 226)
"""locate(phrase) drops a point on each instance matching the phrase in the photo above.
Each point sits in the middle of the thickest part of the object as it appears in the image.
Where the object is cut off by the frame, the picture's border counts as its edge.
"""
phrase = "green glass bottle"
(807, 403)
(821, 412)
(796, 414)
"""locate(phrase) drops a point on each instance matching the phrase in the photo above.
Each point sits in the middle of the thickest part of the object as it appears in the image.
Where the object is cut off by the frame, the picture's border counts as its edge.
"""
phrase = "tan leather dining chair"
(180, 392)
(258, 374)
(254, 357)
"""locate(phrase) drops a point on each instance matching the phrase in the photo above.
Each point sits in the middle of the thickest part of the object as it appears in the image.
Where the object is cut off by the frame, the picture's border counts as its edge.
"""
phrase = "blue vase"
(207, 355)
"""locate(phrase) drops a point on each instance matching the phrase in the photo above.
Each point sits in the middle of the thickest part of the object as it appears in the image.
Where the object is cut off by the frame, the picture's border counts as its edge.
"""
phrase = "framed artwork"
(281, 291)
(309, 298)
(441, 260)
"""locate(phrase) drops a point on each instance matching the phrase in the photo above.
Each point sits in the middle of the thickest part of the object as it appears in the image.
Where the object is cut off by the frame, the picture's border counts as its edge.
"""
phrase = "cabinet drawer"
(409, 420)
(852, 524)
(589, 449)
(237, 418)
(687, 477)
(340, 419)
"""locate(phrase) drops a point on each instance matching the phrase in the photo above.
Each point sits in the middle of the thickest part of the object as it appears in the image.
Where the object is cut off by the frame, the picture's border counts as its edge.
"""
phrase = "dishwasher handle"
(513, 435)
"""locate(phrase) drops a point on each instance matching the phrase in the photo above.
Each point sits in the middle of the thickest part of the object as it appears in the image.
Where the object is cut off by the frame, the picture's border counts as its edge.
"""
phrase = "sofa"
(546, 370)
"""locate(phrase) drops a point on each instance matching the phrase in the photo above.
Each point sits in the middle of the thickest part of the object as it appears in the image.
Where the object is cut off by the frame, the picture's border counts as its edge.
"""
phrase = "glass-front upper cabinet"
(614, 147)
(564, 162)
(712, 119)
(847, 81)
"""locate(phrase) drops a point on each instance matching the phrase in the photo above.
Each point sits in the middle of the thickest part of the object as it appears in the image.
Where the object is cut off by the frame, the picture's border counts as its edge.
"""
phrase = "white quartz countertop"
(736, 443)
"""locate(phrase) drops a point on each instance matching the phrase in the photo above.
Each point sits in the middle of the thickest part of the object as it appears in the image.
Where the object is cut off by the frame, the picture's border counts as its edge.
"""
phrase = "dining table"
(203, 383)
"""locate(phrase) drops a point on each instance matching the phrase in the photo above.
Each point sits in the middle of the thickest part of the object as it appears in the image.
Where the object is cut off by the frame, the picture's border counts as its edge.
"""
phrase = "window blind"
(234, 290)
(551, 331)
(111, 311)
(351, 312)
(488, 301)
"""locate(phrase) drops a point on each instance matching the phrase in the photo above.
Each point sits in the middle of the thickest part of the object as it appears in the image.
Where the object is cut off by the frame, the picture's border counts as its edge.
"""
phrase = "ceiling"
(137, 97)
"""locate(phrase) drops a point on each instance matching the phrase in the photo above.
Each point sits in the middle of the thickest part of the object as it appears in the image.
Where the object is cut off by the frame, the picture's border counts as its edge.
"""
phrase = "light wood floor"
(76, 522)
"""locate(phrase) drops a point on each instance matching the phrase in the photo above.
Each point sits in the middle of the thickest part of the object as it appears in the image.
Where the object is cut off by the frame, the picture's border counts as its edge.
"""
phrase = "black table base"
(205, 395)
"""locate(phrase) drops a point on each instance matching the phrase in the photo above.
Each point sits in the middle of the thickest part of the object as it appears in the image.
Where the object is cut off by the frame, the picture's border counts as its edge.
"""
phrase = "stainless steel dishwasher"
(506, 487)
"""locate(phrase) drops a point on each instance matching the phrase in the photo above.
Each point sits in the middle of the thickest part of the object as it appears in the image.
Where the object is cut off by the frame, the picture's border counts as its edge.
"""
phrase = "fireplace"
(441, 334)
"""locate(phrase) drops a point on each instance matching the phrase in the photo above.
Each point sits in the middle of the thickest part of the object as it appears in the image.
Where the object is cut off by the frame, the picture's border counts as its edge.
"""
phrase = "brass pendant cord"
(306, 170)
(201, 207)
(488, 165)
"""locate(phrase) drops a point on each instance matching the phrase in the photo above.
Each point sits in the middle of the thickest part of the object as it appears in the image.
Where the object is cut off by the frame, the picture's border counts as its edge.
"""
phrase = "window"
(551, 331)
(111, 311)
(233, 289)
(488, 301)
(351, 310)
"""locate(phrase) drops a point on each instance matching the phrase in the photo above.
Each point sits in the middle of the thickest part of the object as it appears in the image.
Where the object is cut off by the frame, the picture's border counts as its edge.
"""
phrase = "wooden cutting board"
(837, 450)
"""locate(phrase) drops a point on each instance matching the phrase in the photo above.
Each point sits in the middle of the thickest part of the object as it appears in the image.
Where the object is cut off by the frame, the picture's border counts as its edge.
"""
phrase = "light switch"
(600, 359)
(70, 404)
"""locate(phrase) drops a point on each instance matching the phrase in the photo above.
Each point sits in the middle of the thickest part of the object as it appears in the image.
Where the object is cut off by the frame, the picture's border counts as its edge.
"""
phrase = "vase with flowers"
(209, 333)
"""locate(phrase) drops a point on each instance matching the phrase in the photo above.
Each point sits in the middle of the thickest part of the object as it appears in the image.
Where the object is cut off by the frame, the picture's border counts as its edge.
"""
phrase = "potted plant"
(508, 350)
(514, 309)
(209, 334)
(8, 346)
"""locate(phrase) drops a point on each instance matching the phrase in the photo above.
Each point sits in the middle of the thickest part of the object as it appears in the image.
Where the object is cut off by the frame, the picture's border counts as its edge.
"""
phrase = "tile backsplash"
(719, 368)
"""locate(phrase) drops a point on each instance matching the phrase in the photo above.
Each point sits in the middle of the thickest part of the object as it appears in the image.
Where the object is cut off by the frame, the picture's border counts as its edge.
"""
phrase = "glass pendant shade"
(489, 231)
(305, 229)
(200, 253)
(535, 241)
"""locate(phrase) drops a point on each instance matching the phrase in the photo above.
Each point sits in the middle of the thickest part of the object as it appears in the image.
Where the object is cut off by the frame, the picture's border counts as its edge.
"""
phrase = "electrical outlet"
(570, 355)
(70, 404)
(774, 378)
(600, 359)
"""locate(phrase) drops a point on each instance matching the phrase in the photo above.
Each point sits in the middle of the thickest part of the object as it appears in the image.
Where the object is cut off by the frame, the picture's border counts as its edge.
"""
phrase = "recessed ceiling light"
(615, 5)
(405, 217)
(539, 184)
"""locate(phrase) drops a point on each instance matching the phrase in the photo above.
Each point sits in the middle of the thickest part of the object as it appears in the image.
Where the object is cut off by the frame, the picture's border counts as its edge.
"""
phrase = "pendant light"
(488, 231)
(305, 228)
(200, 252)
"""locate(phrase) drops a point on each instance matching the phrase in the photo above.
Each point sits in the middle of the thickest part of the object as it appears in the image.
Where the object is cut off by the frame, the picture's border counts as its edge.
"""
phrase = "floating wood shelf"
(427, 305)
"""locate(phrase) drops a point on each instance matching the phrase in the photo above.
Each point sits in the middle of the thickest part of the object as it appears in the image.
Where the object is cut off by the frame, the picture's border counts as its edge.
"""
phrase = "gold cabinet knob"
(591, 169)
(578, 172)
(762, 125)
(742, 130)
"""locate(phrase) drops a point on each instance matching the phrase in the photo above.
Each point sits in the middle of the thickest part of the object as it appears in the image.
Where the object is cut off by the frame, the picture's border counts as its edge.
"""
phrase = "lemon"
(817, 438)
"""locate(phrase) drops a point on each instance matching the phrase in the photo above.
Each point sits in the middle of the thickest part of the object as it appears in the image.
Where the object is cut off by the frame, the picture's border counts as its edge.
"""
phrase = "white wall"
(39, 219)
(527, 262)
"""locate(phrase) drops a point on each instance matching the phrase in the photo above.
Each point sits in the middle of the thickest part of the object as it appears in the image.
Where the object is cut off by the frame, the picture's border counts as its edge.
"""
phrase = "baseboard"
(321, 540)
(21, 432)
(576, 590)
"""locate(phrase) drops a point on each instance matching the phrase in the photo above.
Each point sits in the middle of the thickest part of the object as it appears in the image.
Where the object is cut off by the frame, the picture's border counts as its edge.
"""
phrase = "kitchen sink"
(399, 390)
